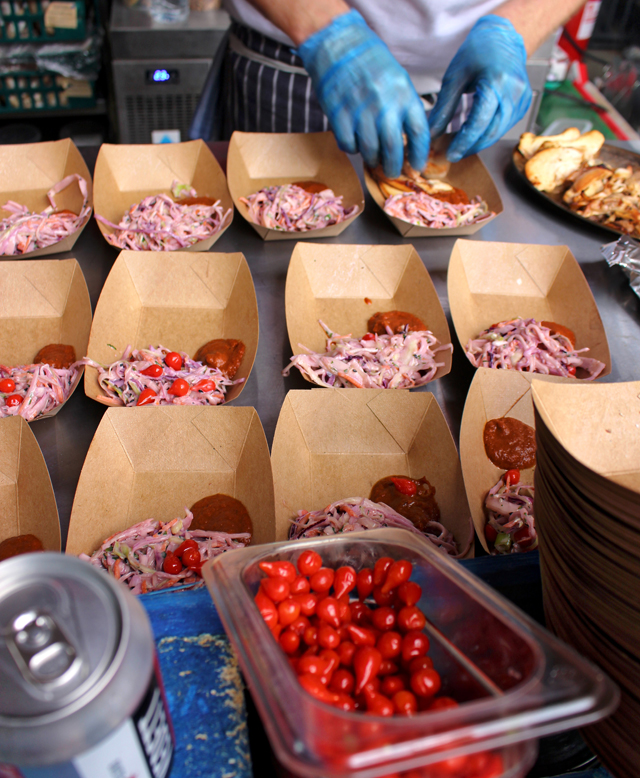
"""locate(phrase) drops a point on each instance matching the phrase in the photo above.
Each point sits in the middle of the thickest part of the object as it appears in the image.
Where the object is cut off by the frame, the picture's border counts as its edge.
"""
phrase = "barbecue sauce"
(57, 355)
(221, 513)
(510, 443)
(19, 544)
(396, 320)
(420, 508)
(225, 354)
(560, 329)
(313, 187)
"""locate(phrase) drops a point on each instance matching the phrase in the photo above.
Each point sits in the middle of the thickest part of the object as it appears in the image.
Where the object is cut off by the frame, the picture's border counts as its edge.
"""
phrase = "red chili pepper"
(411, 618)
(361, 636)
(406, 704)
(279, 570)
(380, 570)
(379, 705)
(267, 608)
(390, 645)
(397, 574)
(300, 585)
(490, 533)
(381, 598)
(153, 371)
(322, 579)
(345, 651)
(312, 665)
(425, 683)
(344, 581)
(179, 388)
(392, 684)
(276, 589)
(344, 612)
(288, 612)
(328, 637)
(360, 613)
(146, 397)
(289, 641)
(420, 663)
(171, 564)
(342, 681)
(364, 583)
(308, 603)
(317, 689)
(309, 562)
(388, 667)
(204, 385)
(327, 610)
(366, 664)
(512, 477)
(405, 486)
(369, 336)
(300, 624)
(7, 385)
(414, 644)
(384, 618)
(443, 703)
(333, 663)
(409, 592)
(571, 370)
(191, 543)
(310, 635)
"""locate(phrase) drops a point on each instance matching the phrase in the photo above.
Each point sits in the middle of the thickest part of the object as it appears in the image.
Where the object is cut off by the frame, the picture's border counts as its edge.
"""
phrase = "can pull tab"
(41, 649)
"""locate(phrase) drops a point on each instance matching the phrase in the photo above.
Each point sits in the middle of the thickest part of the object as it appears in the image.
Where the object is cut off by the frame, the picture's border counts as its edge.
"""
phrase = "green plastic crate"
(23, 21)
(43, 91)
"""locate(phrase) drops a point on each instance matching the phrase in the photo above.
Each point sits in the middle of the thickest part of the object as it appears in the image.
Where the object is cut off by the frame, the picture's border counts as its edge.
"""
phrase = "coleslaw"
(527, 345)
(509, 510)
(292, 209)
(41, 386)
(26, 231)
(162, 223)
(356, 514)
(390, 361)
(123, 381)
(423, 210)
(136, 555)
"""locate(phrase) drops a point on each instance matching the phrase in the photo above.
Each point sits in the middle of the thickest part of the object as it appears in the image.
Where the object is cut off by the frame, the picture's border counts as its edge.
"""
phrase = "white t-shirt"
(423, 35)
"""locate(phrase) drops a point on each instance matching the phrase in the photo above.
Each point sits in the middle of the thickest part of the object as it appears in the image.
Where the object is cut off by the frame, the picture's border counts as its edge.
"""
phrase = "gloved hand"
(366, 95)
(491, 63)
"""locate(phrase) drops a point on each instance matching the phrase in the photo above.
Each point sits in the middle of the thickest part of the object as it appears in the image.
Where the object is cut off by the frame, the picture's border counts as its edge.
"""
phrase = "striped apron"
(265, 88)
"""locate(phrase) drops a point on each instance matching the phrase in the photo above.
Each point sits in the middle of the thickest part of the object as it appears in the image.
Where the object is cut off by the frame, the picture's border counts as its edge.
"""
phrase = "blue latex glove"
(366, 95)
(491, 63)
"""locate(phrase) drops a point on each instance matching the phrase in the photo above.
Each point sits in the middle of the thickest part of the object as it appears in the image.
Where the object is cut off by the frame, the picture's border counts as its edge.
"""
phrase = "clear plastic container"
(514, 681)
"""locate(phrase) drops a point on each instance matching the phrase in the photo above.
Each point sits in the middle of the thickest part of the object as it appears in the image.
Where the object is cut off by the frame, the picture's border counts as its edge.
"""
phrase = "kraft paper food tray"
(124, 175)
(43, 301)
(27, 173)
(598, 424)
(152, 462)
(470, 175)
(178, 299)
(257, 160)
(331, 444)
(492, 395)
(27, 502)
(491, 282)
(333, 283)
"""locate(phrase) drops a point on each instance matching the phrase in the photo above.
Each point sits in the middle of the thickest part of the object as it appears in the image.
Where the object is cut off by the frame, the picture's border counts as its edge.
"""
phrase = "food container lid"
(514, 680)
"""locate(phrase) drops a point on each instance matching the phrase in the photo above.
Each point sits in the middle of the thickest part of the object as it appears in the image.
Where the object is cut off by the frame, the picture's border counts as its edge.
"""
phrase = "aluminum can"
(80, 691)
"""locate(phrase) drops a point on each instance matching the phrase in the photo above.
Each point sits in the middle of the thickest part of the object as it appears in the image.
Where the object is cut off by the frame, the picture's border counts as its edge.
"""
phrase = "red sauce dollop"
(57, 355)
(560, 329)
(510, 443)
(221, 513)
(313, 187)
(225, 354)
(420, 508)
(379, 322)
(19, 544)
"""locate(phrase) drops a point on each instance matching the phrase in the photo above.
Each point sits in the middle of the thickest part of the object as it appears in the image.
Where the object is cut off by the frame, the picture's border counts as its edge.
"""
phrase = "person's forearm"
(300, 18)
(535, 20)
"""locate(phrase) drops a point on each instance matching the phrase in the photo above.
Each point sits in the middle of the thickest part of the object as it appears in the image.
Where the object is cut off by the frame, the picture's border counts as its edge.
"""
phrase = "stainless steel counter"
(65, 438)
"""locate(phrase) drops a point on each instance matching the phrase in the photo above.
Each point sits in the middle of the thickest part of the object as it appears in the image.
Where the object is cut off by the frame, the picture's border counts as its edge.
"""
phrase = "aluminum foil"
(625, 253)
